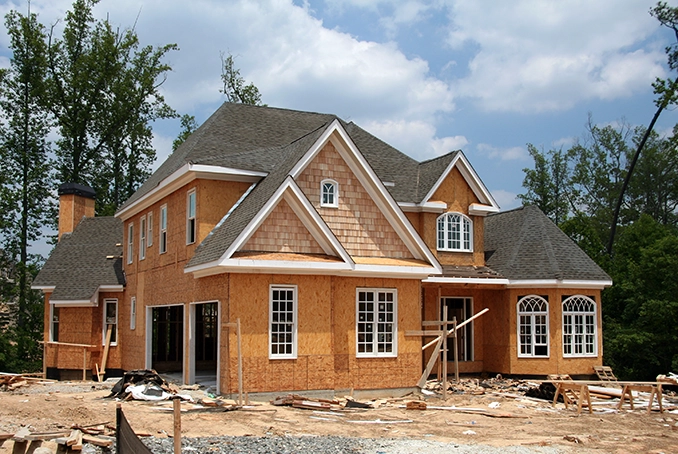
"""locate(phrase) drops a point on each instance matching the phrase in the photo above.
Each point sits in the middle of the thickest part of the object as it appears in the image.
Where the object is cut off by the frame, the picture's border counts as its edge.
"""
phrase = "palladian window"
(455, 233)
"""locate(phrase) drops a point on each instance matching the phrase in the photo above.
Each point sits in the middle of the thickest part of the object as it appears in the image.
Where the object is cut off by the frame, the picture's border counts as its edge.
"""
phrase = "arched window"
(455, 233)
(579, 326)
(329, 194)
(533, 326)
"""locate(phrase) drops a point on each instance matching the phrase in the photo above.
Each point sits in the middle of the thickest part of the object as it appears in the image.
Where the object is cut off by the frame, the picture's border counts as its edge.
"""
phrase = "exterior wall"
(282, 231)
(357, 222)
(72, 208)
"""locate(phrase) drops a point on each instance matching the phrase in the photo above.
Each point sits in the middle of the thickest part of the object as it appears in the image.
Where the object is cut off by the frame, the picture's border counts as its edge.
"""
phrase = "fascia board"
(44, 288)
(74, 303)
(111, 288)
(471, 177)
(414, 272)
(466, 280)
(182, 176)
(373, 185)
(268, 267)
(559, 283)
(314, 223)
(428, 207)
(476, 209)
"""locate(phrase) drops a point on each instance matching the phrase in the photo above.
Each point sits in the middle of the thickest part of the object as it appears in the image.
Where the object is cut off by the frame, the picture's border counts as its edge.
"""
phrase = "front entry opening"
(462, 309)
(168, 339)
(205, 354)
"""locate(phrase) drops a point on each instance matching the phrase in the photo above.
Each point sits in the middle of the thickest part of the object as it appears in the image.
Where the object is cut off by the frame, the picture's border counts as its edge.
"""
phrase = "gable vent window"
(455, 233)
(329, 194)
(130, 243)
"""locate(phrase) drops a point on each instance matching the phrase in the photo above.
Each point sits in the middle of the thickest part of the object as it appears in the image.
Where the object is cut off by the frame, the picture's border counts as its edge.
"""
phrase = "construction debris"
(10, 382)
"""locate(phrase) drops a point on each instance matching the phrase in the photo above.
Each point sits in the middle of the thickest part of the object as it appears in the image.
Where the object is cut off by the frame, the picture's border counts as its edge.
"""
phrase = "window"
(190, 217)
(533, 317)
(329, 194)
(133, 313)
(111, 320)
(376, 328)
(130, 243)
(149, 236)
(142, 238)
(283, 322)
(579, 326)
(163, 229)
(54, 323)
(455, 233)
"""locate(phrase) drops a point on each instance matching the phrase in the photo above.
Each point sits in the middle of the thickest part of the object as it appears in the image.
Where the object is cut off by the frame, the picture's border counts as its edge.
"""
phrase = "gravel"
(321, 444)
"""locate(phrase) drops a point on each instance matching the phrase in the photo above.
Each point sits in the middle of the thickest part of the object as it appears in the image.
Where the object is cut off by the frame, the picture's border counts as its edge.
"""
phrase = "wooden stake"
(177, 425)
(109, 331)
(456, 350)
(444, 360)
(84, 363)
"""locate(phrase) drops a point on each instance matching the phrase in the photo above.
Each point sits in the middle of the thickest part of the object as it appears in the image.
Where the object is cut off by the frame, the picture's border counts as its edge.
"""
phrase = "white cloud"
(415, 138)
(544, 55)
(505, 199)
(503, 154)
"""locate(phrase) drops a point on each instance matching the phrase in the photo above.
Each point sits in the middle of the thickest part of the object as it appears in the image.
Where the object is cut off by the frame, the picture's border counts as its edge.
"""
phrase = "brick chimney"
(75, 202)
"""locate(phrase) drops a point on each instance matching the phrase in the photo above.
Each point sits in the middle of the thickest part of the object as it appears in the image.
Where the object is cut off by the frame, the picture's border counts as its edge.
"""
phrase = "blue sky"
(428, 77)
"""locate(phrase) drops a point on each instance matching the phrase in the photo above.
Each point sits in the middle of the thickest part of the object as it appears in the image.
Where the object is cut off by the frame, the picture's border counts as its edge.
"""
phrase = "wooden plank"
(458, 326)
(431, 363)
(176, 434)
(74, 437)
(430, 332)
(91, 439)
(21, 434)
(109, 331)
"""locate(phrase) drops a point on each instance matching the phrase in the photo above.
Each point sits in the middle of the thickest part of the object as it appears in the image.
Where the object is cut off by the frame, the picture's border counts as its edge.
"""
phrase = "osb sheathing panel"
(326, 324)
(555, 363)
(357, 222)
(213, 200)
(282, 231)
(497, 332)
(72, 209)
(457, 194)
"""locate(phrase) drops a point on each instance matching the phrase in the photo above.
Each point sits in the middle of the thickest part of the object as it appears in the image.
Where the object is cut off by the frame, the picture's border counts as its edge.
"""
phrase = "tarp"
(126, 440)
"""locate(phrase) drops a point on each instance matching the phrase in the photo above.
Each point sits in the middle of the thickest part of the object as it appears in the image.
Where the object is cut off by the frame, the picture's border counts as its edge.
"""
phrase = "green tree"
(188, 127)
(104, 94)
(234, 84)
(24, 163)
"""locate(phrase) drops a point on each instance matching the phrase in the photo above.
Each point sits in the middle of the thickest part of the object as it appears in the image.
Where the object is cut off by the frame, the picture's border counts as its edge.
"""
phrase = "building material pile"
(10, 382)
(68, 440)
(144, 384)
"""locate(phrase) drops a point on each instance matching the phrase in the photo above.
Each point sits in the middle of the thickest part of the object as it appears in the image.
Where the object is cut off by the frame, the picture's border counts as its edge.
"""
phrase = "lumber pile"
(307, 403)
(10, 382)
(70, 440)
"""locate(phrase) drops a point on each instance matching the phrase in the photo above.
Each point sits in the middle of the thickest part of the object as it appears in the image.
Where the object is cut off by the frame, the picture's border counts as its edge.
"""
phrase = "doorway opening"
(167, 345)
(462, 309)
(204, 354)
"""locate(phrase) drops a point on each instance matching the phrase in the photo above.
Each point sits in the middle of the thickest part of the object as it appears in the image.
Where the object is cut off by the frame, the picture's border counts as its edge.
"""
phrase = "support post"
(240, 390)
(456, 350)
(177, 424)
(444, 360)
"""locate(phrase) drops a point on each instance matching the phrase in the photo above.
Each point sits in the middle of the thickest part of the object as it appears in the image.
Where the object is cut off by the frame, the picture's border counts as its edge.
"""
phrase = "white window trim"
(149, 224)
(133, 313)
(142, 238)
(335, 185)
(162, 246)
(103, 331)
(532, 314)
(462, 218)
(51, 324)
(593, 313)
(190, 218)
(295, 323)
(375, 353)
(130, 243)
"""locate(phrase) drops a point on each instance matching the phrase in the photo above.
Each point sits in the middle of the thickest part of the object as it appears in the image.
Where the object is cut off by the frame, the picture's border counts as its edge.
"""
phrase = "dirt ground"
(529, 422)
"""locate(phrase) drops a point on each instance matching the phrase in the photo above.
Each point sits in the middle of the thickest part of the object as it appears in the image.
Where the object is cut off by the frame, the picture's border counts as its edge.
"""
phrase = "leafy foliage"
(188, 126)
(234, 84)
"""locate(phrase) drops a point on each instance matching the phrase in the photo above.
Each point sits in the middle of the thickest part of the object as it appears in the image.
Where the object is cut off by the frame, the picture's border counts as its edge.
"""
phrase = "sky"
(428, 77)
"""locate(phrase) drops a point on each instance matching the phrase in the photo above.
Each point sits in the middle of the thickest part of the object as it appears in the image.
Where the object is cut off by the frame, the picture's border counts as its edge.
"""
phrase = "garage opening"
(168, 339)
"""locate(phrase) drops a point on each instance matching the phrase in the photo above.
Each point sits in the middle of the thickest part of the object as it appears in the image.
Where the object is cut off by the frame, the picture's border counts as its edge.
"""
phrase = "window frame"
(334, 193)
(533, 325)
(133, 313)
(114, 333)
(163, 230)
(191, 210)
(142, 237)
(130, 243)
(585, 314)
(445, 230)
(294, 342)
(375, 353)
(53, 325)
(149, 234)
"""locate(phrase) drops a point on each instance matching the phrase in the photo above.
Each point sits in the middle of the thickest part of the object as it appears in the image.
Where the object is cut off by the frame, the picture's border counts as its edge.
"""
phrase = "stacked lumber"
(10, 382)
(71, 439)
(307, 403)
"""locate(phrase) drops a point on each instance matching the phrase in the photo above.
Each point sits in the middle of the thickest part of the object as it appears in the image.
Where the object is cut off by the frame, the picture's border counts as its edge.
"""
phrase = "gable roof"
(84, 262)
(524, 244)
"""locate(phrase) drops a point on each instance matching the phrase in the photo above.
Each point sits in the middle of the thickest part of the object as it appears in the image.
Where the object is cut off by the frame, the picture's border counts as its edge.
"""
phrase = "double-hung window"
(150, 229)
(130, 243)
(190, 217)
(579, 326)
(283, 322)
(54, 323)
(533, 323)
(329, 194)
(163, 229)
(455, 233)
(376, 322)
(142, 238)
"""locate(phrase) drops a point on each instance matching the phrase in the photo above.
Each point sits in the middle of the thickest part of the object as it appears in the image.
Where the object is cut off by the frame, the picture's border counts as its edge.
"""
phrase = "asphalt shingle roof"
(79, 264)
(525, 244)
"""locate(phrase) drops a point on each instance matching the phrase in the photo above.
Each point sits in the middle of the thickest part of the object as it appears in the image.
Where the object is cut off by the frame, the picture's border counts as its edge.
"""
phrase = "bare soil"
(531, 423)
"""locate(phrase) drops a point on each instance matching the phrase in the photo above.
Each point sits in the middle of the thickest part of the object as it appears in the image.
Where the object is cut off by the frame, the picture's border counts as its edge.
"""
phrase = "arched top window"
(329, 194)
(455, 233)
(533, 327)
(580, 326)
